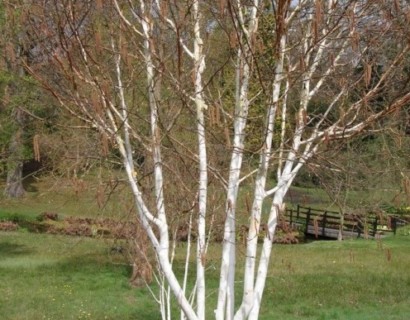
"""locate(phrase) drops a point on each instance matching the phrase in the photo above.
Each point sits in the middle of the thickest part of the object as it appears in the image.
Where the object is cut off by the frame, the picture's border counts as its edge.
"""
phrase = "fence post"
(324, 223)
(359, 226)
(291, 217)
(297, 213)
(375, 226)
(307, 222)
(394, 224)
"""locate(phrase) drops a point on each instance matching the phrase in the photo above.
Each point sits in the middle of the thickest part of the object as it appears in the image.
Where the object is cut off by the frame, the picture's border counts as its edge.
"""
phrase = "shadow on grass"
(88, 270)
(13, 249)
(103, 284)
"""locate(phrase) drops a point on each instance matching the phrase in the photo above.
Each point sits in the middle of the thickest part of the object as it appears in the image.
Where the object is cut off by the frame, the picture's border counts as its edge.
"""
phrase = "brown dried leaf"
(397, 6)
(105, 148)
(315, 31)
(222, 6)
(227, 137)
(326, 137)
(211, 114)
(106, 87)
(97, 37)
(233, 39)
(164, 8)
(302, 63)
(367, 74)
(218, 116)
(36, 148)
(318, 19)
(124, 53)
(99, 4)
(24, 16)
(332, 58)
(96, 103)
(248, 203)
(318, 12)
(355, 41)
(304, 116)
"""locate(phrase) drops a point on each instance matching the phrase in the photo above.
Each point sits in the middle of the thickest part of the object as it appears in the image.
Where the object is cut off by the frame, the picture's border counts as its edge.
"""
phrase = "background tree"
(137, 72)
(26, 113)
(15, 94)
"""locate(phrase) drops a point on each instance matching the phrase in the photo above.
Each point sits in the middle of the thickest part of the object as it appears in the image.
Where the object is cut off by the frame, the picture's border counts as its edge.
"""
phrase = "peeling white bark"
(226, 294)
(199, 61)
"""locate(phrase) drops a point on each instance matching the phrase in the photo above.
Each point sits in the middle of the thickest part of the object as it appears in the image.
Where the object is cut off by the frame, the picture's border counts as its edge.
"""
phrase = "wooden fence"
(325, 223)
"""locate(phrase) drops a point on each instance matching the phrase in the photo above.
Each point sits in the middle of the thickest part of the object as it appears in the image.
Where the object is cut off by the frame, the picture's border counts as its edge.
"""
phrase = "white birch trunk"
(163, 249)
(199, 61)
(226, 284)
(260, 194)
(226, 293)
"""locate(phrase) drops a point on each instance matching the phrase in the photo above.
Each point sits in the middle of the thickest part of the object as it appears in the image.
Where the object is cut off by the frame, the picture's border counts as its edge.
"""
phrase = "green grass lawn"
(356, 279)
(60, 277)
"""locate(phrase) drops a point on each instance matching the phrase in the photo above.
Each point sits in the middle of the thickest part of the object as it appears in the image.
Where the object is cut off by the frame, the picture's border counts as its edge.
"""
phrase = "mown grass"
(355, 279)
(59, 277)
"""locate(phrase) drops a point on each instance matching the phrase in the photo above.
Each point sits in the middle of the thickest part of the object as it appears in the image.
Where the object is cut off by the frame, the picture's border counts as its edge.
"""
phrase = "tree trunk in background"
(14, 186)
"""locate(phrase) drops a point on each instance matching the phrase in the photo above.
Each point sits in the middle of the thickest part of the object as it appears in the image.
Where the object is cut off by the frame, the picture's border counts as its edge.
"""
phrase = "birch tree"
(137, 72)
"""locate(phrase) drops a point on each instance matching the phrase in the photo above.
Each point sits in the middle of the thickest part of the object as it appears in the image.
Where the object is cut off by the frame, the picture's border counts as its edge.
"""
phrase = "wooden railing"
(325, 223)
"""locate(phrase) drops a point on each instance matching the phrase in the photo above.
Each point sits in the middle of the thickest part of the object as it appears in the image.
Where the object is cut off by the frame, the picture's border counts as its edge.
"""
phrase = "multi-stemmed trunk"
(314, 44)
